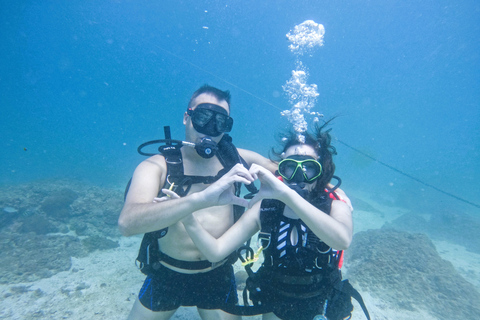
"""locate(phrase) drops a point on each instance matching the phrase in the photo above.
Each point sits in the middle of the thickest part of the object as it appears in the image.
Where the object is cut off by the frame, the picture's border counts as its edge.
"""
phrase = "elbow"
(215, 255)
(124, 227)
(218, 253)
(215, 258)
(344, 243)
(128, 222)
(344, 246)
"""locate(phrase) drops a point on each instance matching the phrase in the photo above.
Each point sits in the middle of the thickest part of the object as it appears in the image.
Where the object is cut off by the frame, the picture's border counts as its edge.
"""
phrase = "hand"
(271, 187)
(221, 192)
(169, 196)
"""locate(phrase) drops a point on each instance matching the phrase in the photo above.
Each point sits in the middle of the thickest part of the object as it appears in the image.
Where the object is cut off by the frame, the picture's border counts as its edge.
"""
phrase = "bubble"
(304, 38)
(302, 97)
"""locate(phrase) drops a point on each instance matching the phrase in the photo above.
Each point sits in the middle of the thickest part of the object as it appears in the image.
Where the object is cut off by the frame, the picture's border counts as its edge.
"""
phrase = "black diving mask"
(210, 119)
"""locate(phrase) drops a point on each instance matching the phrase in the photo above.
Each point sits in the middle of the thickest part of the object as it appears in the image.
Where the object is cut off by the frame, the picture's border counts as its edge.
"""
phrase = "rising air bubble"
(304, 38)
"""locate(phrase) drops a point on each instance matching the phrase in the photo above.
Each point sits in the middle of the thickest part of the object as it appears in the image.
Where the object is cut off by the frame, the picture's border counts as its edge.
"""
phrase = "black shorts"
(300, 302)
(338, 306)
(167, 290)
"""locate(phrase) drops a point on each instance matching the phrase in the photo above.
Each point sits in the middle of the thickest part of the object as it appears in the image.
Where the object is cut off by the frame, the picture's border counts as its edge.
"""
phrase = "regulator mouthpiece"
(207, 148)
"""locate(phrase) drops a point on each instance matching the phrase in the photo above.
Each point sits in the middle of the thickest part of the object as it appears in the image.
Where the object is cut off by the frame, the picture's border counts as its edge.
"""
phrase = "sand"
(104, 284)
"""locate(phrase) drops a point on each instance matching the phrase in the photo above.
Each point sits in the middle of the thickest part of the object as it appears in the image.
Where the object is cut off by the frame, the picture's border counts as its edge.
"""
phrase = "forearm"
(211, 247)
(252, 157)
(336, 229)
(137, 218)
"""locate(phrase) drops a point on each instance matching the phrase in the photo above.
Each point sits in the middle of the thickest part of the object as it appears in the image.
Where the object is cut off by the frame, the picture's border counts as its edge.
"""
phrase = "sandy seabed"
(104, 285)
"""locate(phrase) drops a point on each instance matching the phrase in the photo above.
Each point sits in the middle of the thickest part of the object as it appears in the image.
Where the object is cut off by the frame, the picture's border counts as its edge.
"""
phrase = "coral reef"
(38, 224)
(39, 218)
(57, 204)
(406, 271)
(449, 226)
(98, 243)
(29, 257)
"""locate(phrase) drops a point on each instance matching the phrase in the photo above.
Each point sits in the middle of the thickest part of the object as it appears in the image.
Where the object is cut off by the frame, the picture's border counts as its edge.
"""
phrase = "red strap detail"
(332, 196)
(340, 260)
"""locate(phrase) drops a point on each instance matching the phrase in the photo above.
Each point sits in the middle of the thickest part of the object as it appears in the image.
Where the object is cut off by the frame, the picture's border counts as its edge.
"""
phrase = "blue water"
(84, 83)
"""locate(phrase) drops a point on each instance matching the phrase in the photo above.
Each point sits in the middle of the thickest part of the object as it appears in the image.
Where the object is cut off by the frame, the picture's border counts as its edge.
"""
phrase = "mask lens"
(287, 168)
(224, 123)
(202, 116)
(311, 169)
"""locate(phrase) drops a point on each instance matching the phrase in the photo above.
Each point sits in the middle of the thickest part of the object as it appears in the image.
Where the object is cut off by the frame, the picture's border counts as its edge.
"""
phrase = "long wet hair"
(320, 140)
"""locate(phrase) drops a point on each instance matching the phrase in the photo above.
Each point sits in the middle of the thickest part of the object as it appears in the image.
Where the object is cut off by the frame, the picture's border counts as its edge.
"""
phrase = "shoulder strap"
(173, 158)
(149, 251)
(228, 156)
(269, 210)
(269, 213)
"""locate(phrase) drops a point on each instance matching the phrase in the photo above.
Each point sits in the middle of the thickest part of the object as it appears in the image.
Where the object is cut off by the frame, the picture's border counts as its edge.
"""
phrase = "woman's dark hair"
(320, 141)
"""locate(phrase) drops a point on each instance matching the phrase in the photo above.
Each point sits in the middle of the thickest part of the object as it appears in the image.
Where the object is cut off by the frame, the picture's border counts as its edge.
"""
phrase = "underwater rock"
(58, 203)
(408, 222)
(7, 217)
(99, 208)
(63, 202)
(458, 228)
(19, 289)
(449, 226)
(35, 210)
(10, 210)
(38, 224)
(98, 243)
(110, 217)
(29, 257)
(79, 227)
(406, 271)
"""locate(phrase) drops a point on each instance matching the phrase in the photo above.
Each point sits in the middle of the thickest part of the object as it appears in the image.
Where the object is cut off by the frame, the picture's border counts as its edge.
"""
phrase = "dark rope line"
(409, 176)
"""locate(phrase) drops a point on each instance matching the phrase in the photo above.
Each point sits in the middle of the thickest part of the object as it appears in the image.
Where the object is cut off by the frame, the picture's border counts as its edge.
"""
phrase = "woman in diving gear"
(304, 226)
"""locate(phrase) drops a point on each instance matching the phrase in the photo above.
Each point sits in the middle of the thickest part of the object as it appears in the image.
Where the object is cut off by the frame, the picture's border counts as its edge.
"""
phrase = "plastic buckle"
(266, 237)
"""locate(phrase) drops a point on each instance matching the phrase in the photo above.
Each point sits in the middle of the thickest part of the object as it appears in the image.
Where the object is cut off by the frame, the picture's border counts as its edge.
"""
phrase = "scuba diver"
(303, 226)
(178, 274)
